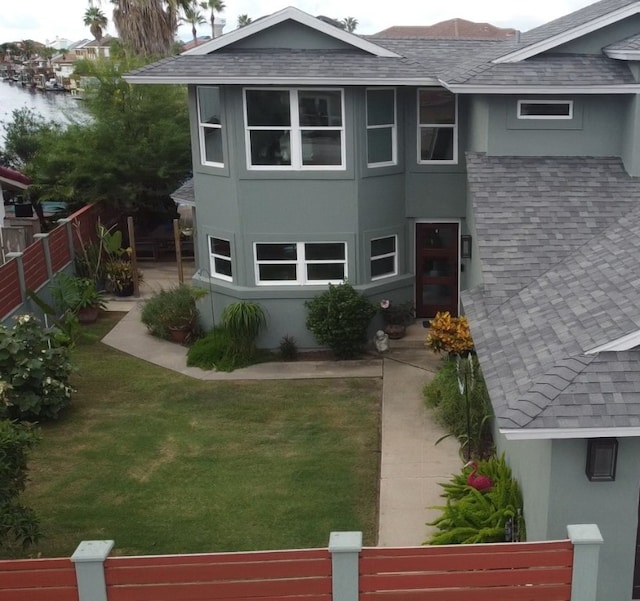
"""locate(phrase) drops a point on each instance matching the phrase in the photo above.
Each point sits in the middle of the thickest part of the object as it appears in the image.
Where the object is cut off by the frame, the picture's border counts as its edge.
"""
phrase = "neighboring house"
(418, 168)
(92, 49)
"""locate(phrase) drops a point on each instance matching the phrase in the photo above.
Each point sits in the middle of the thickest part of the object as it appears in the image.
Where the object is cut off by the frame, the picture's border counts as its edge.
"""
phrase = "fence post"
(586, 540)
(89, 558)
(22, 282)
(47, 252)
(345, 548)
(66, 222)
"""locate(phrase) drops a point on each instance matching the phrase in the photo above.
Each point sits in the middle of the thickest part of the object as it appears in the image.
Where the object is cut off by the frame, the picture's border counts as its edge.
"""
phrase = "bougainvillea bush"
(34, 371)
(449, 334)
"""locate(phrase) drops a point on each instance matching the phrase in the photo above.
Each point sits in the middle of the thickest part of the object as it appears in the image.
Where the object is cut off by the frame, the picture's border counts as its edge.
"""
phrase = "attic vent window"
(545, 109)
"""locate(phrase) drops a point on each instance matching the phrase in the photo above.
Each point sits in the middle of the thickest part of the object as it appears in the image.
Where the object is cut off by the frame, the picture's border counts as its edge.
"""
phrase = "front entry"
(437, 268)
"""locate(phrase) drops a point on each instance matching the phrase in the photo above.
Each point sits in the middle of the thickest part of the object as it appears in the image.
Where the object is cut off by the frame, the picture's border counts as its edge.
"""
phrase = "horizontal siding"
(35, 267)
(38, 580)
(9, 288)
(59, 248)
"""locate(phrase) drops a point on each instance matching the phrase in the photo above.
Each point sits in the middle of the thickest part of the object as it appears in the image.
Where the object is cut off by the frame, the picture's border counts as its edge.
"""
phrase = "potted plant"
(78, 296)
(119, 273)
(396, 317)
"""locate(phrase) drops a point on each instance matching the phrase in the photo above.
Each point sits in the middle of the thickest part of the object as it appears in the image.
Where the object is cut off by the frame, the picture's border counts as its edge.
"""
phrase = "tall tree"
(215, 6)
(350, 24)
(193, 17)
(244, 20)
(96, 21)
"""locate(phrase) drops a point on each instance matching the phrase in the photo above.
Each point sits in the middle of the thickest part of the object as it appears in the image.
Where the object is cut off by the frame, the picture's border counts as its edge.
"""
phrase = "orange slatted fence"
(35, 267)
(10, 296)
(59, 248)
(505, 572)
(84, 223)
(38, 580)
(303, 575)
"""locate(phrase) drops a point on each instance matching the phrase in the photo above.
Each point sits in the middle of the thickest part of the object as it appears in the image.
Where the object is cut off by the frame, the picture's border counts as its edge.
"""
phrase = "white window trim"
(201, 128)
(295, 130)
(301, 263)
(213, 256)
(453, 126)
(545, 117)
(393, 126)
(393, 254)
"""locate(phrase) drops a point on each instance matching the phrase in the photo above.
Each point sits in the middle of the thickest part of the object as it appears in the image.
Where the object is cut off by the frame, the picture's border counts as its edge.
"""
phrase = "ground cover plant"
(162, 463)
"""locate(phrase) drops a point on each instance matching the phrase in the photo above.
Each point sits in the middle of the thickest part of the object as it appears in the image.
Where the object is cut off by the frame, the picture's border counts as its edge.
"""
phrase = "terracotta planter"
(179, 334)
(395, 331)
(88, 314)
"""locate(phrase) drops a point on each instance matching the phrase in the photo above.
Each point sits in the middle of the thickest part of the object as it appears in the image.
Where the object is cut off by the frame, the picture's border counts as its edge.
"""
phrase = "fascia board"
(623, 55)
(624, 343)
(569, 35)
(568, 433)
(629, 88)
(299, 16)
(280, 81)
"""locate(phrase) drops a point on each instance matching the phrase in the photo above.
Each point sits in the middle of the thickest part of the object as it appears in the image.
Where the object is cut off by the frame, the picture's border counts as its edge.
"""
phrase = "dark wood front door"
(636, 571)
(437, 267)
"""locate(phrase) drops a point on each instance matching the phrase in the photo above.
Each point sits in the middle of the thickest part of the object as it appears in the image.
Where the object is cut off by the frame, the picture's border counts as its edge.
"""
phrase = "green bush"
(243, 321)
(174, 307)
(18, 524)
(288, 348)
(471, 516)
(339, 318)
(450, 408)
(213, 351)
(34, 371)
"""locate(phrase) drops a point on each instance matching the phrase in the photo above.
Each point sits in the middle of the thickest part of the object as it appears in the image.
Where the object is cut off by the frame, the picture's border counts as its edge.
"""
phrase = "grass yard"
(162, 463)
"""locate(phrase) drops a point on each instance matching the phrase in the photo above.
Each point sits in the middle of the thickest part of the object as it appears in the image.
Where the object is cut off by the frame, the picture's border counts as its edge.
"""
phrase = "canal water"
(55, 106)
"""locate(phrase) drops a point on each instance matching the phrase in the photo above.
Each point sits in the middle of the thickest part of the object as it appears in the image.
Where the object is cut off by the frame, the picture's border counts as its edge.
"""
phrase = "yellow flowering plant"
(449, 334)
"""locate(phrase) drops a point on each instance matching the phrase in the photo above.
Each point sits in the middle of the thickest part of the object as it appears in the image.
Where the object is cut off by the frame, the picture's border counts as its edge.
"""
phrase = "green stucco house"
(495, 177)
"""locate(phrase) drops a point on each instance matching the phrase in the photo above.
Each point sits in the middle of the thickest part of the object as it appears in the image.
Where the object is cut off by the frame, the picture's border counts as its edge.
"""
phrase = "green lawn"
(162, 463)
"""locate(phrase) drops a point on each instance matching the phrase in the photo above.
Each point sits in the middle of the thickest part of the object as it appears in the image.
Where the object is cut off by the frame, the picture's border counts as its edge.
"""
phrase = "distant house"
(499, 177)
(451, 29)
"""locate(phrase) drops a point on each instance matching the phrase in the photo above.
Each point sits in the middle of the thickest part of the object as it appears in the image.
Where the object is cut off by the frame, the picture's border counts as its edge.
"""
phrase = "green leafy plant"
(172, 308)
(397, 314)
(471, 516)
(339, 318)
(213, 352)
(18, 524)
(243, 321)
(288, 348)
(35, 370)
(70, 293)
(119, 274)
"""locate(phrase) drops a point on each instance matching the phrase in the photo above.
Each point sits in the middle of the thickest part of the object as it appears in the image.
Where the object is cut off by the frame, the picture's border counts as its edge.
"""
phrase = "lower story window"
(220, 256)
(384, 257)
(300, 263)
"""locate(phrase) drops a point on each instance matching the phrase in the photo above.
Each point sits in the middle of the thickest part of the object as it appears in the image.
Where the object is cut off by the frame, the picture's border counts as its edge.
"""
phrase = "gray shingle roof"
(185, 193)
(561, 261)
(630, 43)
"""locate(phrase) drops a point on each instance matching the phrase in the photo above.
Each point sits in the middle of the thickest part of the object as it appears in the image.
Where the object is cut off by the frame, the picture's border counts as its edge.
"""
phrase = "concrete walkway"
(411, 464)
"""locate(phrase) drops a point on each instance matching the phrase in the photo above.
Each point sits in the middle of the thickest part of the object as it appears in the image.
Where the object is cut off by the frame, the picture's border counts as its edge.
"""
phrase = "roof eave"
(284, 81)
(568, 433)
(630, 88)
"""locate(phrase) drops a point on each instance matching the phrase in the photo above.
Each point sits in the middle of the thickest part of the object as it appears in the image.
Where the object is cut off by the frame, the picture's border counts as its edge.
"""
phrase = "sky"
(44, 20)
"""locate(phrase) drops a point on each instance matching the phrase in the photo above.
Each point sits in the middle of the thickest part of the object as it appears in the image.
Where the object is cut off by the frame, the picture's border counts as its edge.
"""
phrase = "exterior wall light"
(602, 455)
(465, 246)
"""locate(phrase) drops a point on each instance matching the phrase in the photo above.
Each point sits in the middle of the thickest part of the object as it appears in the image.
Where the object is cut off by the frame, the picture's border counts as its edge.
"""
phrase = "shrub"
(450, 407)
(449, 334)
(288, 348)
(35, 370)
(471, 516)
(214, 351)
(243, 321)
(18, 524)
(175, 307)
(339, 318)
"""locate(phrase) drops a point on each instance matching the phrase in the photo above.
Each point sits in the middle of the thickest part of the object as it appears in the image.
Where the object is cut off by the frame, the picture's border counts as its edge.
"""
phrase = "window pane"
(270, 147)
(437, 106)
(325, 271)
(545, 109)
(268, 107)
(320, 109)
(380, 267)
(220, 246)
(436, 143)
(212, 144)
(209, 105)
(324, 251)
(380, 145)
(223, 267)
(276, 252)
(321, 148)
(380, 107)
(276, 273)
(383, 246)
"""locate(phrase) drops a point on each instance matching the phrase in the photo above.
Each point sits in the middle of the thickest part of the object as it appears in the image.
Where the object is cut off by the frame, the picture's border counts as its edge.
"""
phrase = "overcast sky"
(43, 20)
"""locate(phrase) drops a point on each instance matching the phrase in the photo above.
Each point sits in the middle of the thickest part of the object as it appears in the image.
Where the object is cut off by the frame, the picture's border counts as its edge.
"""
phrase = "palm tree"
(244, 20)
(96, 21)
(193, 16)
(350, 24)
(216, 6)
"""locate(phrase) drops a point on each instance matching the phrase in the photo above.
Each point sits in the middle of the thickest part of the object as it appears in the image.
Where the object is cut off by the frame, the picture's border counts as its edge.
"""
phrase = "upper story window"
(437, 126)
(294, 129)
(220, 258)
(384, 257)
(292, 263)
(381, 127)
(210, 126)
(545, 109)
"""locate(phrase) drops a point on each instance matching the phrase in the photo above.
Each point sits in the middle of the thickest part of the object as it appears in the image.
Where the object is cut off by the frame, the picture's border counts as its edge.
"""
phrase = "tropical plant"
(243, 321)
(339, 317)
(74, 294)
(288, 348)
(350, 24)
(35, 370)
(215, 6)
(400, 314)
(96, 21)
(120, 274)
(244, 20)
(193, 17)
(471, 516)
(172, 308)
(18, 524)
(449, 334)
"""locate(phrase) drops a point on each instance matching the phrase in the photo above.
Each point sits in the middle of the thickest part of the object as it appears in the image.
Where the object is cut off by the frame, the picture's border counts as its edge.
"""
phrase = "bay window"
(437, 126)
(384, 257)
(381, 127)
(210, 126)
(220, 259)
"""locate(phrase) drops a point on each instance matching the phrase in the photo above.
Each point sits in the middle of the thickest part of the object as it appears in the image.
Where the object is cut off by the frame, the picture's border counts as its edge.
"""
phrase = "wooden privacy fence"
(539, 571)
